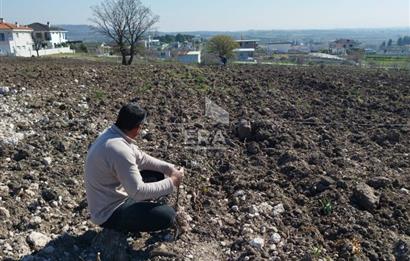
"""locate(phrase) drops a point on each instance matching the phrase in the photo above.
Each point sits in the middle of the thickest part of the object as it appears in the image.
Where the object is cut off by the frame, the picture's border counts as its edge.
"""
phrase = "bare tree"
(125, 22)
(38, 43)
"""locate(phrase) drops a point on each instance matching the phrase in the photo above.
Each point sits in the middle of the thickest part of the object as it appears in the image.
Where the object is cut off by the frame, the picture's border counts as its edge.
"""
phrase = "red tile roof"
(8, 26)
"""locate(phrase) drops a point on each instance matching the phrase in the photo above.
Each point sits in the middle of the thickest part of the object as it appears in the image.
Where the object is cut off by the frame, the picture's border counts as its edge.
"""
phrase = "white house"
(15, 40)
(104, 50)
(53, 37)
(151, 43)
(190, 57)
(341, 46)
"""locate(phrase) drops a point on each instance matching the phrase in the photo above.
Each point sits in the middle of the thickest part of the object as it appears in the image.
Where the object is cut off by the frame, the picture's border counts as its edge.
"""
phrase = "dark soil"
(331, 144)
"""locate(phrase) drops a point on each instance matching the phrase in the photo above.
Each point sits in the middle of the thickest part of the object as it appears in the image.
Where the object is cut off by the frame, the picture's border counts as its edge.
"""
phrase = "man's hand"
(177, 176)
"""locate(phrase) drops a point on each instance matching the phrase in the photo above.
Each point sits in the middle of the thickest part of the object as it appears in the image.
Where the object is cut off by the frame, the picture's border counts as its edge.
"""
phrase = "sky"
(228, 15)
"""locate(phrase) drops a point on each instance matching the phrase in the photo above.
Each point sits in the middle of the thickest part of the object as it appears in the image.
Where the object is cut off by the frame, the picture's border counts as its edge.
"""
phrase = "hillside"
(83, 33)
(367, 36)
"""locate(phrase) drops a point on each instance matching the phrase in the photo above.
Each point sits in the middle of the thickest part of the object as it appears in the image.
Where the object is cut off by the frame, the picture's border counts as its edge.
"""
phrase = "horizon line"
(273, 29)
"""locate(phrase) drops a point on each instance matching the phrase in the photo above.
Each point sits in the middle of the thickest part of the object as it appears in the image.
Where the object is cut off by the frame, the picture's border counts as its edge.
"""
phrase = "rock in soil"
(37, 240)
(244, 129)
(365, 197)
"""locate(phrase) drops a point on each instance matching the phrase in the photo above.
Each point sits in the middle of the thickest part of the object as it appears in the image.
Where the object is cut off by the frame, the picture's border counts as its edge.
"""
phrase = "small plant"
(327, 207)
(316, 252)
(144, 88)
(203, 87)
(200, 79)
(99, 95)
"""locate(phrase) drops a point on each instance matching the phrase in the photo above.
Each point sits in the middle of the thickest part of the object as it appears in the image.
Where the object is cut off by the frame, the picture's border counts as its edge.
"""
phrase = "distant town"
(45, 39)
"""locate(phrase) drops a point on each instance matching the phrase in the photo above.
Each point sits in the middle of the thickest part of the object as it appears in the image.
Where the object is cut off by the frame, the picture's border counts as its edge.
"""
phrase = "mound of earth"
(283, 163)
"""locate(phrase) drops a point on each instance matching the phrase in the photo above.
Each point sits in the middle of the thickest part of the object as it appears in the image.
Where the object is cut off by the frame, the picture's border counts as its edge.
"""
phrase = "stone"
(265, 208)
(4, 189)
(244, 129)
(365, 197)
(4, 213)
(7, 247)
(35, 221)
(21, 155)
(257, 242)
(49, 195)
(37, 240)
(22, 246)
(324, 183)
(4, 90)
(278, 209)
(252, 148)
(47, 161)
(379, 182)
(272, 247)
(253, 209)
(239, 193)
(405, 191)
(235, 208)
(275, 238)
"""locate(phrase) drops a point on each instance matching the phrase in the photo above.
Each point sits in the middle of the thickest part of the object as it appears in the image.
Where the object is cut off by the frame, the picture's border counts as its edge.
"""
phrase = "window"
(39, 35)
(47, 36)
(2, 37)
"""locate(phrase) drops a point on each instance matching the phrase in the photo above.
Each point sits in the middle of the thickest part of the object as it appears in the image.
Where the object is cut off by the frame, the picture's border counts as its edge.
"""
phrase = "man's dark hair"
(130, 116)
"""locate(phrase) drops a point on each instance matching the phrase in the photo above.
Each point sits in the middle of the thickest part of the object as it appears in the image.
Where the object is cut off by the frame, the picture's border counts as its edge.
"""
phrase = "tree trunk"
(123, 52)
(124, 56)
(38, 55)
(224, 60)
(131, 56)
(124, 59)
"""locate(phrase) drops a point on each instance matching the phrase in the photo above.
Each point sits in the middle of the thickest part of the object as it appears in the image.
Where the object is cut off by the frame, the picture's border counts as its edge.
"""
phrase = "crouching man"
(119, 178)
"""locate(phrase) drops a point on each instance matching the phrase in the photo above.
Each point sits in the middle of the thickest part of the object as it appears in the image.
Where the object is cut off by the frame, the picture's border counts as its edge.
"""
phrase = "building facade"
(51, 36)
(246, 44)
(192, 57)
(341, 46)
(15, 40)
(245, 54)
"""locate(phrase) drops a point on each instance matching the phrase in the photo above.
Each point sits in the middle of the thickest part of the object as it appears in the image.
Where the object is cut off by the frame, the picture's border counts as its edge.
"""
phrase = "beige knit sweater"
(112, 174)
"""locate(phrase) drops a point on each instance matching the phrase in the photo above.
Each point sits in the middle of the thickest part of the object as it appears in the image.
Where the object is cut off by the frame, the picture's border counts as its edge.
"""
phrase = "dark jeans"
(142, 216)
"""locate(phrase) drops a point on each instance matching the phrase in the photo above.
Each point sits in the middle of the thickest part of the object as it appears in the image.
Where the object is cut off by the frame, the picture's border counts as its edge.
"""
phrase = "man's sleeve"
(126, 169)
(147, 162)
